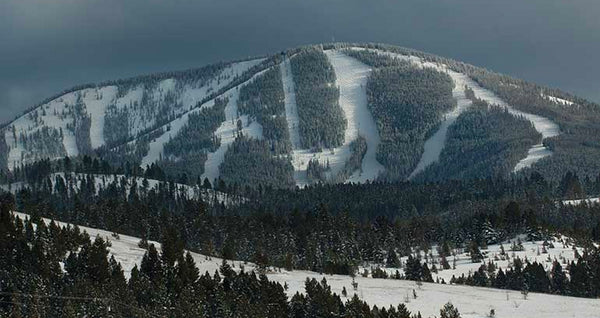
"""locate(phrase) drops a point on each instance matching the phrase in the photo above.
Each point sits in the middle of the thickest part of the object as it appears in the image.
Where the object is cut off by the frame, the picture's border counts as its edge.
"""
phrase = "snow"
(557, 100)
(472, 302)
(291, 109)
(96, 102)
(98, 99)
(543, 125)
(588, 201)
(52, 119)
(351, 78)
(190, 98)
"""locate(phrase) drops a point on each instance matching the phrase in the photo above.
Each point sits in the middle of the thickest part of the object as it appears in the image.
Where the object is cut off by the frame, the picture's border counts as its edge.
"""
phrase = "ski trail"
(351, 78)
(291, 109)
(299, 156)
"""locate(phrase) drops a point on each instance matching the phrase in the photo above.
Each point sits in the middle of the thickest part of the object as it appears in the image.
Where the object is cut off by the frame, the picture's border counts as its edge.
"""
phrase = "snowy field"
(472, 302)
(533, 251)
(351, 79)
(543, 125)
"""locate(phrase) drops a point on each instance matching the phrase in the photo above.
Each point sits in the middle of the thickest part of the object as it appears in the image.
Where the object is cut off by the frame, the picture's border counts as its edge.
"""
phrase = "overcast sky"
(47, 46)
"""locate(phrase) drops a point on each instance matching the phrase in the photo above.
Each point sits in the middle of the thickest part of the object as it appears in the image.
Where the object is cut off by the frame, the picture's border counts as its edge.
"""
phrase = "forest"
(407, 104)
(35, 283)
(322, 121)
(485, 141)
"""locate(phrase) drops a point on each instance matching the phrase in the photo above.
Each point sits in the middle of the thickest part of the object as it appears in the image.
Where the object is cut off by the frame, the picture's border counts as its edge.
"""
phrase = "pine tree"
(449, 311)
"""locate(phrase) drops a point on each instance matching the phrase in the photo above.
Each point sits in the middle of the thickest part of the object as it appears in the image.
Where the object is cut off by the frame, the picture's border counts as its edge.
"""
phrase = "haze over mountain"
(49, 46)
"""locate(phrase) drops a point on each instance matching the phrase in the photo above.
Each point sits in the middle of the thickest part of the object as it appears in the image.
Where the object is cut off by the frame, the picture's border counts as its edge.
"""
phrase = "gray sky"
(47, 46)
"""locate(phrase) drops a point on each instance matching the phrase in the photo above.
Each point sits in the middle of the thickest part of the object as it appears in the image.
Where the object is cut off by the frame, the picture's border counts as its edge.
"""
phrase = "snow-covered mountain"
(321, 114)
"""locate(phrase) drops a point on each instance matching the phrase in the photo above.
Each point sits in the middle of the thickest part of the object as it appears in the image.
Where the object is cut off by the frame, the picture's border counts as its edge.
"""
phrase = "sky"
(49, 46)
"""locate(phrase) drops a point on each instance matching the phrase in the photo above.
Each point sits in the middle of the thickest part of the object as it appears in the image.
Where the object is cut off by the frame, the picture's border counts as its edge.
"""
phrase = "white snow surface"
(351, 79)
(543, 125)
(472, 302)
(291, 109)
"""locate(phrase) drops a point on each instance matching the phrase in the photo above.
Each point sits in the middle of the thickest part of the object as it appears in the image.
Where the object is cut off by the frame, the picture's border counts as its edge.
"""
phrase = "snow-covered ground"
(351, 79)
(291, 109)
(563, 252)
(543, 125)
(472, 302)
(293, 121)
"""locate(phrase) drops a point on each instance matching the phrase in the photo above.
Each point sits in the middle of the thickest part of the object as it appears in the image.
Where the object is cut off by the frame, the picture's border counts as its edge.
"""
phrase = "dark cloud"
(47, 46)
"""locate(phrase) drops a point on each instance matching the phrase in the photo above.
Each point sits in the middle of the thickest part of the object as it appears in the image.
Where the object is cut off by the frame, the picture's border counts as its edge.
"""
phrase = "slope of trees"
(263, 100)
(251, 162)
(576, 148)
(485, 141)
(322, 121)
(166, 283)
(408, 104)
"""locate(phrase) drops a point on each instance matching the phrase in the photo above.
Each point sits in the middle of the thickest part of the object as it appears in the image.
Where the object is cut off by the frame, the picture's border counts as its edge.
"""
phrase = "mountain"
(326, 113)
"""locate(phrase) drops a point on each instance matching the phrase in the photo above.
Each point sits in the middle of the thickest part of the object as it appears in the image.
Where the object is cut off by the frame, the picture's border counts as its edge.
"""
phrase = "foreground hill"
(329, 113)
(471, 301)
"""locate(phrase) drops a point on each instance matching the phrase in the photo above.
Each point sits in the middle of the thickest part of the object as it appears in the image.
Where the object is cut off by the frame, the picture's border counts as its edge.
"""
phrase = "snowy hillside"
(471, 301)
(543, 125)
(171, 119)
(59, 127)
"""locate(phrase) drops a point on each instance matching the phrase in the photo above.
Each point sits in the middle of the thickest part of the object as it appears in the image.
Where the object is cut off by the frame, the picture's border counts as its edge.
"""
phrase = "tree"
(448, 311)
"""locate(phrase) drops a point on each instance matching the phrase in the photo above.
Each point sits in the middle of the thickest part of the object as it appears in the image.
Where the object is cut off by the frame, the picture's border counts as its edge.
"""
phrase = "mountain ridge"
(160, 109)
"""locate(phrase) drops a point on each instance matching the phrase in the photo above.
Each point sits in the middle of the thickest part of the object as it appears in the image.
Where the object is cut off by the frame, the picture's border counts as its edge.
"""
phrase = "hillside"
(471, 301)
(330, 113)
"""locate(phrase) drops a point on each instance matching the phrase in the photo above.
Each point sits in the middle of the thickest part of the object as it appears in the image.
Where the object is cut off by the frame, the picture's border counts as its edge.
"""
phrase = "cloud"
(47, 46)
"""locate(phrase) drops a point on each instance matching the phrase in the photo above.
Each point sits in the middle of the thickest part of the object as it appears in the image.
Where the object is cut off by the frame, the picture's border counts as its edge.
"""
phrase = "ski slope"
(544, 126)
(351, 79)
(472, 302)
